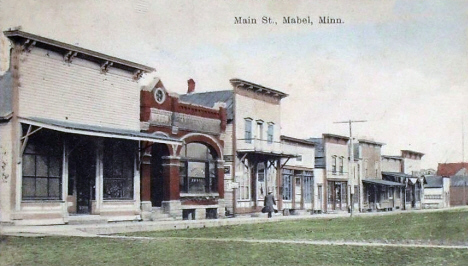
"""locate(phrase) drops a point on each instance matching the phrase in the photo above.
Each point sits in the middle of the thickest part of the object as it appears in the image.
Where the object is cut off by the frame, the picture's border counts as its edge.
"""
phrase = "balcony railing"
(266, 146)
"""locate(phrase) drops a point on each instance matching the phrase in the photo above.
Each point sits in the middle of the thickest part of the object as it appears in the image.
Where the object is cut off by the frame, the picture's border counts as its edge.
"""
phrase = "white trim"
(96, 134)
(208, 136)
(160, 132)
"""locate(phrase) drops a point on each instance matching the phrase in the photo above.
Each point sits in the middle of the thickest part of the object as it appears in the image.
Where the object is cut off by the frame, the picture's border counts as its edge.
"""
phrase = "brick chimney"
(191, 86)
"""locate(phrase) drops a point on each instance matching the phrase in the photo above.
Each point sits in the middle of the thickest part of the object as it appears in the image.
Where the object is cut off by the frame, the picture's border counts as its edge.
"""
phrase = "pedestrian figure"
(269, 202)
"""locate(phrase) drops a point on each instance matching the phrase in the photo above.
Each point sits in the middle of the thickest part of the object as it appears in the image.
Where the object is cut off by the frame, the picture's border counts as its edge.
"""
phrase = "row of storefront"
(80, 137)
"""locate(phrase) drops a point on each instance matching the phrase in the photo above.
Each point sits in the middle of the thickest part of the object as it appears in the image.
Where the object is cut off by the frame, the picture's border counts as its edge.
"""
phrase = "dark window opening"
(118, 164)
(42, 166)
(188, 214)
(211, 213)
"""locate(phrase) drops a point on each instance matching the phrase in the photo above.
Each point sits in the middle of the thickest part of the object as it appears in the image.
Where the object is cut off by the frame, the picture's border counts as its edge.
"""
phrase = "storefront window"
(287, 184)
(199, 169)
(118, 164)
(42, 166)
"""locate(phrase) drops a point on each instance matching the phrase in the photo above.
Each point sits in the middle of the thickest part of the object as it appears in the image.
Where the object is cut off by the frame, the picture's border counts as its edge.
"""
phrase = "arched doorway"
(158, 151)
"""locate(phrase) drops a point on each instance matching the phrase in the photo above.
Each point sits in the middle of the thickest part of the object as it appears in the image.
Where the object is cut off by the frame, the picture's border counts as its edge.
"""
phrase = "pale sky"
(401, 65)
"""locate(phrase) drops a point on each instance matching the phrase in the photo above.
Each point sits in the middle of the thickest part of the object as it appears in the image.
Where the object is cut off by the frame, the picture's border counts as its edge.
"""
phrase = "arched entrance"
(158, 151)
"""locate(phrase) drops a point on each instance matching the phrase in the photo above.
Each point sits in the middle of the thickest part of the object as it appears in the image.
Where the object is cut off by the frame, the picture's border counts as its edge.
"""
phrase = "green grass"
(101, 251)
(445, 227)
(448, 227)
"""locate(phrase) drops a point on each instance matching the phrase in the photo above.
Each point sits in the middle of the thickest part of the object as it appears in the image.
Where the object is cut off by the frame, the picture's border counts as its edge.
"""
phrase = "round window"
(159, 95)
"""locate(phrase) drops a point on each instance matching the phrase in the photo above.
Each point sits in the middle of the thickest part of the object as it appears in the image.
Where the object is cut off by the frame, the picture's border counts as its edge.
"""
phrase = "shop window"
(261, 184)
(308, 179)
(42, 166)
(244, 183)
(287, 184)
(198, 170)
(118, 168)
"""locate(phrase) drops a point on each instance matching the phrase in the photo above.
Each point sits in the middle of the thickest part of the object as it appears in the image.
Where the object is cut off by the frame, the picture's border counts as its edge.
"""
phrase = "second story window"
(334, 164)
(248, 130)
(270, 133)
(341, 164)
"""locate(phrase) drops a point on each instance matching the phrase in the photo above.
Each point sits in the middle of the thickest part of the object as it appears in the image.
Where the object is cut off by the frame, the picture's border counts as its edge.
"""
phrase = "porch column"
(145, 169)
(221, 202)
(171, 191)
(221, 179)
(279, 187)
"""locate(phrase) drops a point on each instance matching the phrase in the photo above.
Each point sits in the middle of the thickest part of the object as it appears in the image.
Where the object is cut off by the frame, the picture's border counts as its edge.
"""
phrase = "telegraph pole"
(351, 157)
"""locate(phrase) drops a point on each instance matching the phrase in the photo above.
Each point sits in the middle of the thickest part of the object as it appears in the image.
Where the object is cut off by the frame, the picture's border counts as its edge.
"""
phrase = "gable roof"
(450, 169)
(459, 181)
(210, 98)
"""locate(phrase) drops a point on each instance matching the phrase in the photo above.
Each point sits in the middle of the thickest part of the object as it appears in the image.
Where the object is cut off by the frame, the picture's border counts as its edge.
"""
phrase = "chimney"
(191, 86)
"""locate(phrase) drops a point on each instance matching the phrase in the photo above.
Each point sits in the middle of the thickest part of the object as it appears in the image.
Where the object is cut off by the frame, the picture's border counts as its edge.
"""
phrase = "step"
(86, 219)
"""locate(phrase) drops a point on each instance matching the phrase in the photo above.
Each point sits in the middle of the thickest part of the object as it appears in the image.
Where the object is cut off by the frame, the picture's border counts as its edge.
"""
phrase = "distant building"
(459, 190)
(406, 169)
(436, 192)
(452, 169)
(331, 172)
(298, 183)
(377, 193)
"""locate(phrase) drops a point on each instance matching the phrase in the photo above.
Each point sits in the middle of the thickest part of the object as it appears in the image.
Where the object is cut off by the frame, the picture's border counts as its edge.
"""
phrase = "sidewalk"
(93, 230)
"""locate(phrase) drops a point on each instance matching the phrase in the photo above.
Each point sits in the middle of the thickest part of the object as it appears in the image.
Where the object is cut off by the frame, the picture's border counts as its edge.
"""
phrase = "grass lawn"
(101, 251)
(444, 227)
(449, 227)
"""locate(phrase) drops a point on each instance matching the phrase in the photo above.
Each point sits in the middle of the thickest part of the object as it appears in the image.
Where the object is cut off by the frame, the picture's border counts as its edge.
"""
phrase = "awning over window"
(98, 131)
(383, 182)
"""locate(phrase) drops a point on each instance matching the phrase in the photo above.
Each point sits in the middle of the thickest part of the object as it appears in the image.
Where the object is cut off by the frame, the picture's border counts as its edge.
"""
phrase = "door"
(297, 193)
(82, 165)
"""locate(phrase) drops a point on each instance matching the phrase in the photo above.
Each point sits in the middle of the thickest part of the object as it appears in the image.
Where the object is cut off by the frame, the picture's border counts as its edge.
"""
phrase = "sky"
(400, 65)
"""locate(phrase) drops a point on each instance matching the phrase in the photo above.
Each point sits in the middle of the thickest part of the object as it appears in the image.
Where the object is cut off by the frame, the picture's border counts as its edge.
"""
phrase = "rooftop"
(210, 98)
(64, 48)
(296, 140)
(371, 142)
(257, 88)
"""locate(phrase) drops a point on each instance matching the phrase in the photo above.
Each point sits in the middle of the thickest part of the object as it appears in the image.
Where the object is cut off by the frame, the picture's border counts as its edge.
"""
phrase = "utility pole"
(351, 158)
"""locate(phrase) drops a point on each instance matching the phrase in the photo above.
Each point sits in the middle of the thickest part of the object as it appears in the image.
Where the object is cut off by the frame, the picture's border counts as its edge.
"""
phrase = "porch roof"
(383, 182)
(274, 154)
(396, 174)
(90, 130)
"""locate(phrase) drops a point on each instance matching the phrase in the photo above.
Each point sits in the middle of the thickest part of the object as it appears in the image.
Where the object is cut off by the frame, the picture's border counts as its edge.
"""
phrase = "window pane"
(41, 187)
(28, 165)
(41, 165)
(196, 169)
(54, 166)
(197, 151)
(29, 185)
(54, 188)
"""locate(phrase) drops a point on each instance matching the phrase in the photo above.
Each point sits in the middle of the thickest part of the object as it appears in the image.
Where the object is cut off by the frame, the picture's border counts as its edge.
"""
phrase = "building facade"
(436, 192)
(70, 142)
(184, 181)
(299, 189)
(252, 145)
(332, 170)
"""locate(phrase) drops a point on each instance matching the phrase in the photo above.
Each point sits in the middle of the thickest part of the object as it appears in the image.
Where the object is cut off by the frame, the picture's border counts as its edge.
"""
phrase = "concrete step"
(157, 214)
(86, 219)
